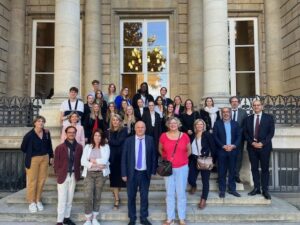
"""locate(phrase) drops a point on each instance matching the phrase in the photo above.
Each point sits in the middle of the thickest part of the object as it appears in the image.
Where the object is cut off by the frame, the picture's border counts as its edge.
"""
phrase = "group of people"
(118, 138)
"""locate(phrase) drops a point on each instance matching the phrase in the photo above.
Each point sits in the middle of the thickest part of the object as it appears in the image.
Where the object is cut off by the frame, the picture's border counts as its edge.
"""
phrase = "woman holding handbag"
(175, 147)
(201, 147)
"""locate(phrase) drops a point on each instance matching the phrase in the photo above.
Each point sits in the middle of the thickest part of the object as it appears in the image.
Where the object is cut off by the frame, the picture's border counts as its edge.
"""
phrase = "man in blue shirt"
(227, 137)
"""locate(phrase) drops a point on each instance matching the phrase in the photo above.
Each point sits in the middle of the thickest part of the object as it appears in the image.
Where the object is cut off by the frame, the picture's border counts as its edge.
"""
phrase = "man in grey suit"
(239, 115)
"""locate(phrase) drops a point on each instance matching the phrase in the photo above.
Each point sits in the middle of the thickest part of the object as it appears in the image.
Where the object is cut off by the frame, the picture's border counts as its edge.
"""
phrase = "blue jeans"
(176, 184)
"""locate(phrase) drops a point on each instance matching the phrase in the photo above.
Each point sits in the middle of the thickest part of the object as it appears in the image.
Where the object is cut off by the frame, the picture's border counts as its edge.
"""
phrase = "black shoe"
(255, 191)
(266, 195)
(131, 223)
(222, 195)
(214, 169)
(145, 222)
(234, 193)
(68, 221)
(238, 180)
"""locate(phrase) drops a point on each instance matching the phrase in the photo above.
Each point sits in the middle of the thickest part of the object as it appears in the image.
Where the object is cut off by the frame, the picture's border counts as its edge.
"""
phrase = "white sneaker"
(40, 206)
(88, 222)
(32, 208)
(95, 222)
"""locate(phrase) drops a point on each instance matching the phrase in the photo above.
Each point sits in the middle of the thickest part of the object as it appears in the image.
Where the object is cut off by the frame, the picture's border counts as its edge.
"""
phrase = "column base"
(50, 110)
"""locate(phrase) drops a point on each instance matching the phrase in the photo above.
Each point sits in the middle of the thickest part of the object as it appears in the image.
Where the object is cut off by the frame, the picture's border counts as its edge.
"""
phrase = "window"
(243, 56)
(42, 70)
(144, 54)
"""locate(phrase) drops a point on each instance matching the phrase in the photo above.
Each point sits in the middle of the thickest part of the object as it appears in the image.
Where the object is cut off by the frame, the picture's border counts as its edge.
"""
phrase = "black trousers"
(139, 181)
(261, 157)
(193, 175)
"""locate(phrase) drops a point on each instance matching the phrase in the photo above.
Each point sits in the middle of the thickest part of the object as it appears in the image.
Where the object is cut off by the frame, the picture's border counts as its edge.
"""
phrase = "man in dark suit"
(163, 93)
(137, 165)
(259, 130)
(239, 115)
(227, 137)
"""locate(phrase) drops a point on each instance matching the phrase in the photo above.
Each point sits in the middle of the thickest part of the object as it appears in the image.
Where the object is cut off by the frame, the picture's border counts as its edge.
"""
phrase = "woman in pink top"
(73, 119)
(176, 183)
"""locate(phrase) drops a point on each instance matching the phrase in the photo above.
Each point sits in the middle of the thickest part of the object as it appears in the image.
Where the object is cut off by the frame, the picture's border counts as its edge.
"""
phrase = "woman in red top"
(176, 183)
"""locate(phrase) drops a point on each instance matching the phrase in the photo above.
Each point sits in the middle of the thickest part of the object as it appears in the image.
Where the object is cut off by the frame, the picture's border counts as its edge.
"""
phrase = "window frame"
(232, 53)
(33, 51)
(144, 48)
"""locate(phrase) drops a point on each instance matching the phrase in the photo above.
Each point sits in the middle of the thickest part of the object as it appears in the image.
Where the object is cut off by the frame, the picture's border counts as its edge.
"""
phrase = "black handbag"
(164, 168)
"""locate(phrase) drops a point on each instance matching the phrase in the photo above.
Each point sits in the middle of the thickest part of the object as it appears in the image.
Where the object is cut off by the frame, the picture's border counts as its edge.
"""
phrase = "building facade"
(196, 48)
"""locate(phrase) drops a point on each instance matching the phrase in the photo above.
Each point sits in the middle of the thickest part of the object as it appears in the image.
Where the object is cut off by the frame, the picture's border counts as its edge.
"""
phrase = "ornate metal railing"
(19, 111)
(285, 109)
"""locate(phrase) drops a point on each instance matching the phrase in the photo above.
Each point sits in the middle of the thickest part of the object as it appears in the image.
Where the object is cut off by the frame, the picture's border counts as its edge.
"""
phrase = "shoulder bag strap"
(176, 146)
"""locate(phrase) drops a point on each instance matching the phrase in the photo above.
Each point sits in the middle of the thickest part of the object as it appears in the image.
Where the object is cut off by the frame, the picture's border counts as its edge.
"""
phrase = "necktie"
(140, 153)
(256, 128)
(234, 115)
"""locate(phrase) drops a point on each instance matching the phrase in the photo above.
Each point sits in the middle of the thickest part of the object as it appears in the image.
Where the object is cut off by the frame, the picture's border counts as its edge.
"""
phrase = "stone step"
(155, 185)
(278, 211)
(50, 197)
(155, 223)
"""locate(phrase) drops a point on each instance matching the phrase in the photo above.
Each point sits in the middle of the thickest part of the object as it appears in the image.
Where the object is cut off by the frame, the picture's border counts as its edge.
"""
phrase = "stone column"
(216, 73)
(274, 67)
(15, 72)
(92, 60)
(195, 49)
(67, 47)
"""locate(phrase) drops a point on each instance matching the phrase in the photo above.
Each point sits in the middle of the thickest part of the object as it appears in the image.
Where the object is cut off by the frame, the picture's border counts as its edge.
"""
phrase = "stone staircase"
(231, 210)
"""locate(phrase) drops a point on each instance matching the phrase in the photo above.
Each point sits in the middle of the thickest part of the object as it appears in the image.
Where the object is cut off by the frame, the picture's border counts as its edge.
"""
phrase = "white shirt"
(137, 144)
(196, 151)
(141, 111)
(144, 100)
(236, 114)
(157, 109)
(254, 121)
(152, 114)
(65, 107)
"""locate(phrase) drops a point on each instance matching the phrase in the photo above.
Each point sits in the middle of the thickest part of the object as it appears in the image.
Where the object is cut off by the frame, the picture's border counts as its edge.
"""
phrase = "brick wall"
(4, 35)
(290, 23)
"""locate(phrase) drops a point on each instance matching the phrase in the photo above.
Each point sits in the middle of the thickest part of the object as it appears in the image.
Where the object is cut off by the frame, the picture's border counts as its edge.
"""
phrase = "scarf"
(71, 147)
(212, 114)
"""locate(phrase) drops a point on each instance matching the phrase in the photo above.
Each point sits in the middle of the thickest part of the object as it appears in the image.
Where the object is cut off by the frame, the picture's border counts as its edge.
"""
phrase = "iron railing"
(285, 109)
(285, 170)
(19, 111)
(12, 170)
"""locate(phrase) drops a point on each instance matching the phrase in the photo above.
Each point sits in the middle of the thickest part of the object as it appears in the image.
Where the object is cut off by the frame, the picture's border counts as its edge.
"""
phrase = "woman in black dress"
(99, 99)
(188, 118)
(169, 114)
(116, 138)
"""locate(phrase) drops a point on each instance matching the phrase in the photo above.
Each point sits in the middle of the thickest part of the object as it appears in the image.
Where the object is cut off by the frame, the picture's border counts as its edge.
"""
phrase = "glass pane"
(44, 85)
(45, 34)
(245, 84)
(157, 34)
(133, 34)
(157, 59)
(244, 33)
(156, 81)
(44, 60)
(245, 59)
(133, 60)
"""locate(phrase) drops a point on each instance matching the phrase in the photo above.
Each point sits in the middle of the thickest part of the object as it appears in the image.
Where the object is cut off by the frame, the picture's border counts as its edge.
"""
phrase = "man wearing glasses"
(259, 130)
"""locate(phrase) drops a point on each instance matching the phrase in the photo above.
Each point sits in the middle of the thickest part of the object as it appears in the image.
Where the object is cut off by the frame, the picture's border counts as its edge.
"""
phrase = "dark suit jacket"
(137, 113)
(242, 115)
(220, 134)
(152, 131)
(128, 157)
(207, 143)
(265, 134)
(205, 116)
(61, 159)
(138, 96)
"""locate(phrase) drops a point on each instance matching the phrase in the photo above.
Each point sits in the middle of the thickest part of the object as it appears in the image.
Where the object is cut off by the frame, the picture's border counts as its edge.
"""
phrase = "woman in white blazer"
(95, 160)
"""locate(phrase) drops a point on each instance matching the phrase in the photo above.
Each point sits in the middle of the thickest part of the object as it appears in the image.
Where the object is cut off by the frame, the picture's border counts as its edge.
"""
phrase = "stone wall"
(4, 35)
(290, 23)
